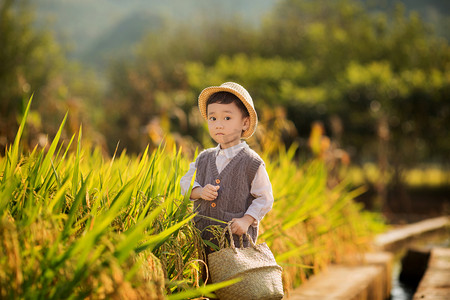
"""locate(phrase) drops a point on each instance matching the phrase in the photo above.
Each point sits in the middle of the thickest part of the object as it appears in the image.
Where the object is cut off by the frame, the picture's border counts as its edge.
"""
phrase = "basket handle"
(241, 238)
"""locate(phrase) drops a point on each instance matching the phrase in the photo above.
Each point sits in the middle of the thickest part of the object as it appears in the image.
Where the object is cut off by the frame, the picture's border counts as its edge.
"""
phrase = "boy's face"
(226, 123)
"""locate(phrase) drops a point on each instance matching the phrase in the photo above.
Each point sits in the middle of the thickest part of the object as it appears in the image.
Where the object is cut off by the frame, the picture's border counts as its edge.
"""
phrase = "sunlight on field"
(110, 227)
(429, 176)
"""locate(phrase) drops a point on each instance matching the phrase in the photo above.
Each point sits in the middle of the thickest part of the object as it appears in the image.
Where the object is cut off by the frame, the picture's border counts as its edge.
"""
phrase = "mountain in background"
(119, 40)
(96, 31)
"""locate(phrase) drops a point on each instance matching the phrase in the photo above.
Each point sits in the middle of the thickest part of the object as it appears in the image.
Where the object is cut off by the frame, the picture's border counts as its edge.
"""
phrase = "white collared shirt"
(261, 187)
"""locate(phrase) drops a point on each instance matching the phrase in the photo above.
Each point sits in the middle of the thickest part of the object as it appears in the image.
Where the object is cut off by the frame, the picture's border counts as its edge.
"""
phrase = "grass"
(75, 224)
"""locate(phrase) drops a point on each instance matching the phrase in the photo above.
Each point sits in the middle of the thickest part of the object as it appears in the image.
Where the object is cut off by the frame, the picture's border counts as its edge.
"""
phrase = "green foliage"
(16, 54)
(379, 82)
(319, 60)
(331, 61)
(34, 63)
(313, 224)
(75, 224)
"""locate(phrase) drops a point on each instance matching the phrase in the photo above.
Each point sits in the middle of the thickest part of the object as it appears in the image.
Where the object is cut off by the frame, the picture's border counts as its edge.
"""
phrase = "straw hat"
(241, 93)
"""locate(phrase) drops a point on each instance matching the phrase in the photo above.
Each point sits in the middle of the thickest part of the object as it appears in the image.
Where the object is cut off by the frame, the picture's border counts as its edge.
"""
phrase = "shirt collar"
(232, 151)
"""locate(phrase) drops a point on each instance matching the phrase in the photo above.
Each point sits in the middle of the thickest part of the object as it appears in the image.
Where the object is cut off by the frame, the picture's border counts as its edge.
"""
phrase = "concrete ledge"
(435, 284)
(368, 281)
(398, 238)
(372, 279)
(385, 260)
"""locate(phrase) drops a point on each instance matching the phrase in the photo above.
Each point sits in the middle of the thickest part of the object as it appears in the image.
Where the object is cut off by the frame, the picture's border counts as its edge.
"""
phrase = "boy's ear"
(246, 123)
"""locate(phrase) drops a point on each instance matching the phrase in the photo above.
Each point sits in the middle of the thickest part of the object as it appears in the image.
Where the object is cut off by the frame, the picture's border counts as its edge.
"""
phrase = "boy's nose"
(219, 125)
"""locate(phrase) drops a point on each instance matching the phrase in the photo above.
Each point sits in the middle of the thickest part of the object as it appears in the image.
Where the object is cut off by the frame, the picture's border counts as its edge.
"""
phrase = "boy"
(231, 182)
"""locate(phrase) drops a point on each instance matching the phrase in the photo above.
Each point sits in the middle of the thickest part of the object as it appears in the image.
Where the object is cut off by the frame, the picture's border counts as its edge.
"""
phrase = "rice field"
(76, 224)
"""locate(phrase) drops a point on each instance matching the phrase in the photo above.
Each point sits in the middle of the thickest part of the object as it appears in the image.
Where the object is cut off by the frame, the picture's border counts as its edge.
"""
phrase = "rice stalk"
(76, 224)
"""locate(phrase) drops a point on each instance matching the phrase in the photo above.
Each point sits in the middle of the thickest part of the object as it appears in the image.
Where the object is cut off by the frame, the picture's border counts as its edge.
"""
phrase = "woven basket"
(256, 266)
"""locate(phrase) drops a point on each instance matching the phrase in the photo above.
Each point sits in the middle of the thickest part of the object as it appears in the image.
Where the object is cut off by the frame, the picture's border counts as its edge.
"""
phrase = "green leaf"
(14, 157)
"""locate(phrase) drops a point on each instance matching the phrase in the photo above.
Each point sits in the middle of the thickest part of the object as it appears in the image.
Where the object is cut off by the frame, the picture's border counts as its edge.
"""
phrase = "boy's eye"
(212, 118)
(227, 118)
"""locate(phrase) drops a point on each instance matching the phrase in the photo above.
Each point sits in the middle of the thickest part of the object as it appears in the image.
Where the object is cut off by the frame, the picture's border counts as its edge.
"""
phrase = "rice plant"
(311, 224)
(75, 224)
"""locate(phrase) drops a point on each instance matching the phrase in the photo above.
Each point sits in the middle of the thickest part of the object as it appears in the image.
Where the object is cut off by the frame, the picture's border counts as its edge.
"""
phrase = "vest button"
(217, 180)
(213, 204)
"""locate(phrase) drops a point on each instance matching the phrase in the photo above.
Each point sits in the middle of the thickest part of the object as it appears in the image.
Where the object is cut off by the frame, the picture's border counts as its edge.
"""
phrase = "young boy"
(231, 182)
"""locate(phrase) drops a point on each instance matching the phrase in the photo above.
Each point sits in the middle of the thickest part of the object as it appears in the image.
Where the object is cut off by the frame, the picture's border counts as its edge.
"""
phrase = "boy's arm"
(195, 193)
(262, 191)
(208, 192)
(240, 226)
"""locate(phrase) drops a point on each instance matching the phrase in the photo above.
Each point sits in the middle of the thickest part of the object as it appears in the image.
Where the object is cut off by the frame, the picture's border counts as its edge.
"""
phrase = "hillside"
(95, 31)
(112, 26)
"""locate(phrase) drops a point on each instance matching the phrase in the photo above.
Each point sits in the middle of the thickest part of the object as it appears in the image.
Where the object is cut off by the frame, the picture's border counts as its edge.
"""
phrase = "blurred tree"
(33, 63)
(397, 119)
(331, 38)
(21, 47)
(364, 76)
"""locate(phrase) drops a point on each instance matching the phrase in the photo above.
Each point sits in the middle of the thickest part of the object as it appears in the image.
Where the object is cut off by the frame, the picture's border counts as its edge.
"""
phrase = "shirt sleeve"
(185, 182)
(262, 191)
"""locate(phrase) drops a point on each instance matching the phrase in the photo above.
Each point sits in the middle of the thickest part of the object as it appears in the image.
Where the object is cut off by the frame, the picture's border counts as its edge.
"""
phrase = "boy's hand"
(209, 192)
(240, 226)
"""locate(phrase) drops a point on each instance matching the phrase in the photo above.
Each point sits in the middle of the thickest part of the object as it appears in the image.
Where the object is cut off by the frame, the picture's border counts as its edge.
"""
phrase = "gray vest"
(234, 194)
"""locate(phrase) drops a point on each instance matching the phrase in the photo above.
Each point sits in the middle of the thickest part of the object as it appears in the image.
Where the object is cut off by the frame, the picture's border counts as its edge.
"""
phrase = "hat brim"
(207, 92)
